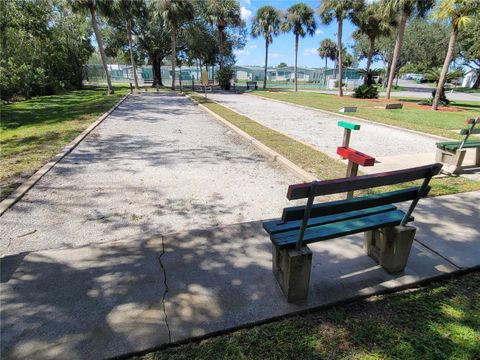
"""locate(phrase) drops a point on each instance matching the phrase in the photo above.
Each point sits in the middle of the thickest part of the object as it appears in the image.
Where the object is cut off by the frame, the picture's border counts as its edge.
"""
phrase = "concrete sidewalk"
(106, 300)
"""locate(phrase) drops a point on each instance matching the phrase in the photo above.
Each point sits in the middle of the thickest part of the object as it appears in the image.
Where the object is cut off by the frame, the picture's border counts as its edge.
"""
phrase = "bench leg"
(390, 247)
(477, 156)
(453, 160)
(292, 271)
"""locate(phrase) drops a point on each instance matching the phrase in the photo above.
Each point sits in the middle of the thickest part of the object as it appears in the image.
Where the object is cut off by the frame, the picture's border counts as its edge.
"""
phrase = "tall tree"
(339, 10)
(175, 13)
(373, 22)
(266, 23)
(92, 6)
(459, 13)
(327, 50)
(223, 14)
(406, 9)
(300, 19)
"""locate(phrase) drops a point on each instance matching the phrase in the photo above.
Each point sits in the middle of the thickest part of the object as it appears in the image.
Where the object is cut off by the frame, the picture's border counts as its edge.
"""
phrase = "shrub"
(365, 92)
(443, 98)
(224, 76)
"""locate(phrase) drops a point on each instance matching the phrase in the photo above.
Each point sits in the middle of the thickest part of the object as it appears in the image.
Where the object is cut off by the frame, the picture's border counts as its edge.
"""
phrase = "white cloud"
(310, 51)
(242, 52)
(253, 46)
(318, 32)
(245, 13)
(274, 54)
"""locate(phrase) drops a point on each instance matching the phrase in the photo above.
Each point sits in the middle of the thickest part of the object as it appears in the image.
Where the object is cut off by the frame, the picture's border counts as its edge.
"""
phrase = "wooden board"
(293, 213)
(341, 228)
(348, 125)
(393, 106)
(348, 109)
(301, 191)
(276, 226)
(469, 131)
(357, 157)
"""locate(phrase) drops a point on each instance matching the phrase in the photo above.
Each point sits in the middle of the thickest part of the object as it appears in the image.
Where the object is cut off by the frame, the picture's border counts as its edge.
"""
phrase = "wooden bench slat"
(340, 228)
(453, 145)
(277, 226)
(362, 202)
(469, 131)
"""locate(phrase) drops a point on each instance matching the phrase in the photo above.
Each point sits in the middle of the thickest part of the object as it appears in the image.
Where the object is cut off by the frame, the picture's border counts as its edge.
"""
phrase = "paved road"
(320, 129)
(158, 164)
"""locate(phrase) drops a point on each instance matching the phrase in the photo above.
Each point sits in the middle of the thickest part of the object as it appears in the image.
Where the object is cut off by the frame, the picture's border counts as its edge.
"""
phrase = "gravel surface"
(321, 129)
(158, 164)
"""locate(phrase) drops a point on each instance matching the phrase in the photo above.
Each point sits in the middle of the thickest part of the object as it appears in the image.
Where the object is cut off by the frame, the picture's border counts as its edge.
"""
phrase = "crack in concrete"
(165, 291)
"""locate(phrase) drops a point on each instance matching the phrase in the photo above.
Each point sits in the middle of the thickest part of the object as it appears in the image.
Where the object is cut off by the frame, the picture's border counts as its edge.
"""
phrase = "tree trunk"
(174, 57)
(220, 46)
(368, 76)
(446, 64)
(296, 58)
(132, 58)
(266, 64)
(157, 70)
(101, 48)
(339, 46)
(396, 53)
(476, 84)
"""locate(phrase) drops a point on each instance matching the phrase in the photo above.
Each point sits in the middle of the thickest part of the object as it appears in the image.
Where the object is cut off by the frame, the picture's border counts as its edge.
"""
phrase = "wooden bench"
(452, 153)
(387, 238)
(252, 84)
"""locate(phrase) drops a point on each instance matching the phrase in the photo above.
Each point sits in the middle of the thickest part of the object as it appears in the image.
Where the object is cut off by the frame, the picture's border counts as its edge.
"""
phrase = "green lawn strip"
(441, 321)
(427, 121)
(318, 163)
(34, 131)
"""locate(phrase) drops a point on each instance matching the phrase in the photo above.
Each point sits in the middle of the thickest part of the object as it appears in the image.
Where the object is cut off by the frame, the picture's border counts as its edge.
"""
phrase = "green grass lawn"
(436, 123)
(441, 321)
(34, 131)
(318, 163)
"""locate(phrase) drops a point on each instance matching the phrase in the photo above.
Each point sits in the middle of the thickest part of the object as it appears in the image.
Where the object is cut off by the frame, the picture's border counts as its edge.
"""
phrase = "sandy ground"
(322, 131)
(157, 165)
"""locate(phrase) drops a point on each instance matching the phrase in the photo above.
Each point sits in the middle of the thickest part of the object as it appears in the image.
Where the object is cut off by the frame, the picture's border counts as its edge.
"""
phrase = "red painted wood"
(356, 156)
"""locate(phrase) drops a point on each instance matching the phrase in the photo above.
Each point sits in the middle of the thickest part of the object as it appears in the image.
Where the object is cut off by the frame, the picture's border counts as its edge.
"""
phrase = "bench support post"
(346, 138)
(292, 271)
(390, 247)
(352, 170)
(453, 160)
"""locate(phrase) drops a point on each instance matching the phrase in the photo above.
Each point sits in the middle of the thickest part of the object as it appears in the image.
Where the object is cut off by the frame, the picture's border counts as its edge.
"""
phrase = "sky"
(282, 48)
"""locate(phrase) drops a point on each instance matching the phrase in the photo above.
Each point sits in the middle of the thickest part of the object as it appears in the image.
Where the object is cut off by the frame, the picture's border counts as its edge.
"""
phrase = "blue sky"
(282, 49)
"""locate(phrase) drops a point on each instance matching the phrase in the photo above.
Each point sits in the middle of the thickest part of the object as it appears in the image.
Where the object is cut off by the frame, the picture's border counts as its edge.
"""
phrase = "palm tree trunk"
(132, 58)
(220, 46)
(296, 58)
(339, 49)
(174, 57)
(446, 64)
(396, 53)
(368, 76)
(266, 64)
(101, 48)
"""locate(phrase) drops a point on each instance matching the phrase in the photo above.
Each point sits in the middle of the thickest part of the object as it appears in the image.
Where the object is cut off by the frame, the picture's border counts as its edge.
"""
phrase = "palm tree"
(459, 13)
(340, 10)
(80, 6)
(406, 8)
(266, 23)
(373, 22)
(299, 19)
(122, 14)
(327, 50)
(222, 14)
(175, 13)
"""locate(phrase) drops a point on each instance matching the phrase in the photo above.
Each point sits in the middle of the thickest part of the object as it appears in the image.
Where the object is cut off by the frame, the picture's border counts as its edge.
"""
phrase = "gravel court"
(321, 129)
(158, 164)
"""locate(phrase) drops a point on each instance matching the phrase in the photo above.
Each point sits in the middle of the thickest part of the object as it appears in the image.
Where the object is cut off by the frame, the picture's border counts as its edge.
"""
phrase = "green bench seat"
(454, 145)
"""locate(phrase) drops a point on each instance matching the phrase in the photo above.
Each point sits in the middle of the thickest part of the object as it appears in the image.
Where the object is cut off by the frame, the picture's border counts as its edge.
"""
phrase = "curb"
(270, 154)
(354, 118)
(19, 192)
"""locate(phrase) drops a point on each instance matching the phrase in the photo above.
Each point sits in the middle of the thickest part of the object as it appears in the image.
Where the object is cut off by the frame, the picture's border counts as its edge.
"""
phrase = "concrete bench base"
(390, 247)
(452, 159)
(292, 271)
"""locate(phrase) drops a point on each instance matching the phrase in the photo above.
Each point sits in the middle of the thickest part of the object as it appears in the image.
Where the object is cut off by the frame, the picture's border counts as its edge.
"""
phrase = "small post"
(157, 87)
(352, 171)
(193, 83)
(347, 131)
(131, 88)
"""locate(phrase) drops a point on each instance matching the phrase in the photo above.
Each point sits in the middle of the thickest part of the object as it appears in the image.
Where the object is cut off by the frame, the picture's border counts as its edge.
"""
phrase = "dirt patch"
(413, 104)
